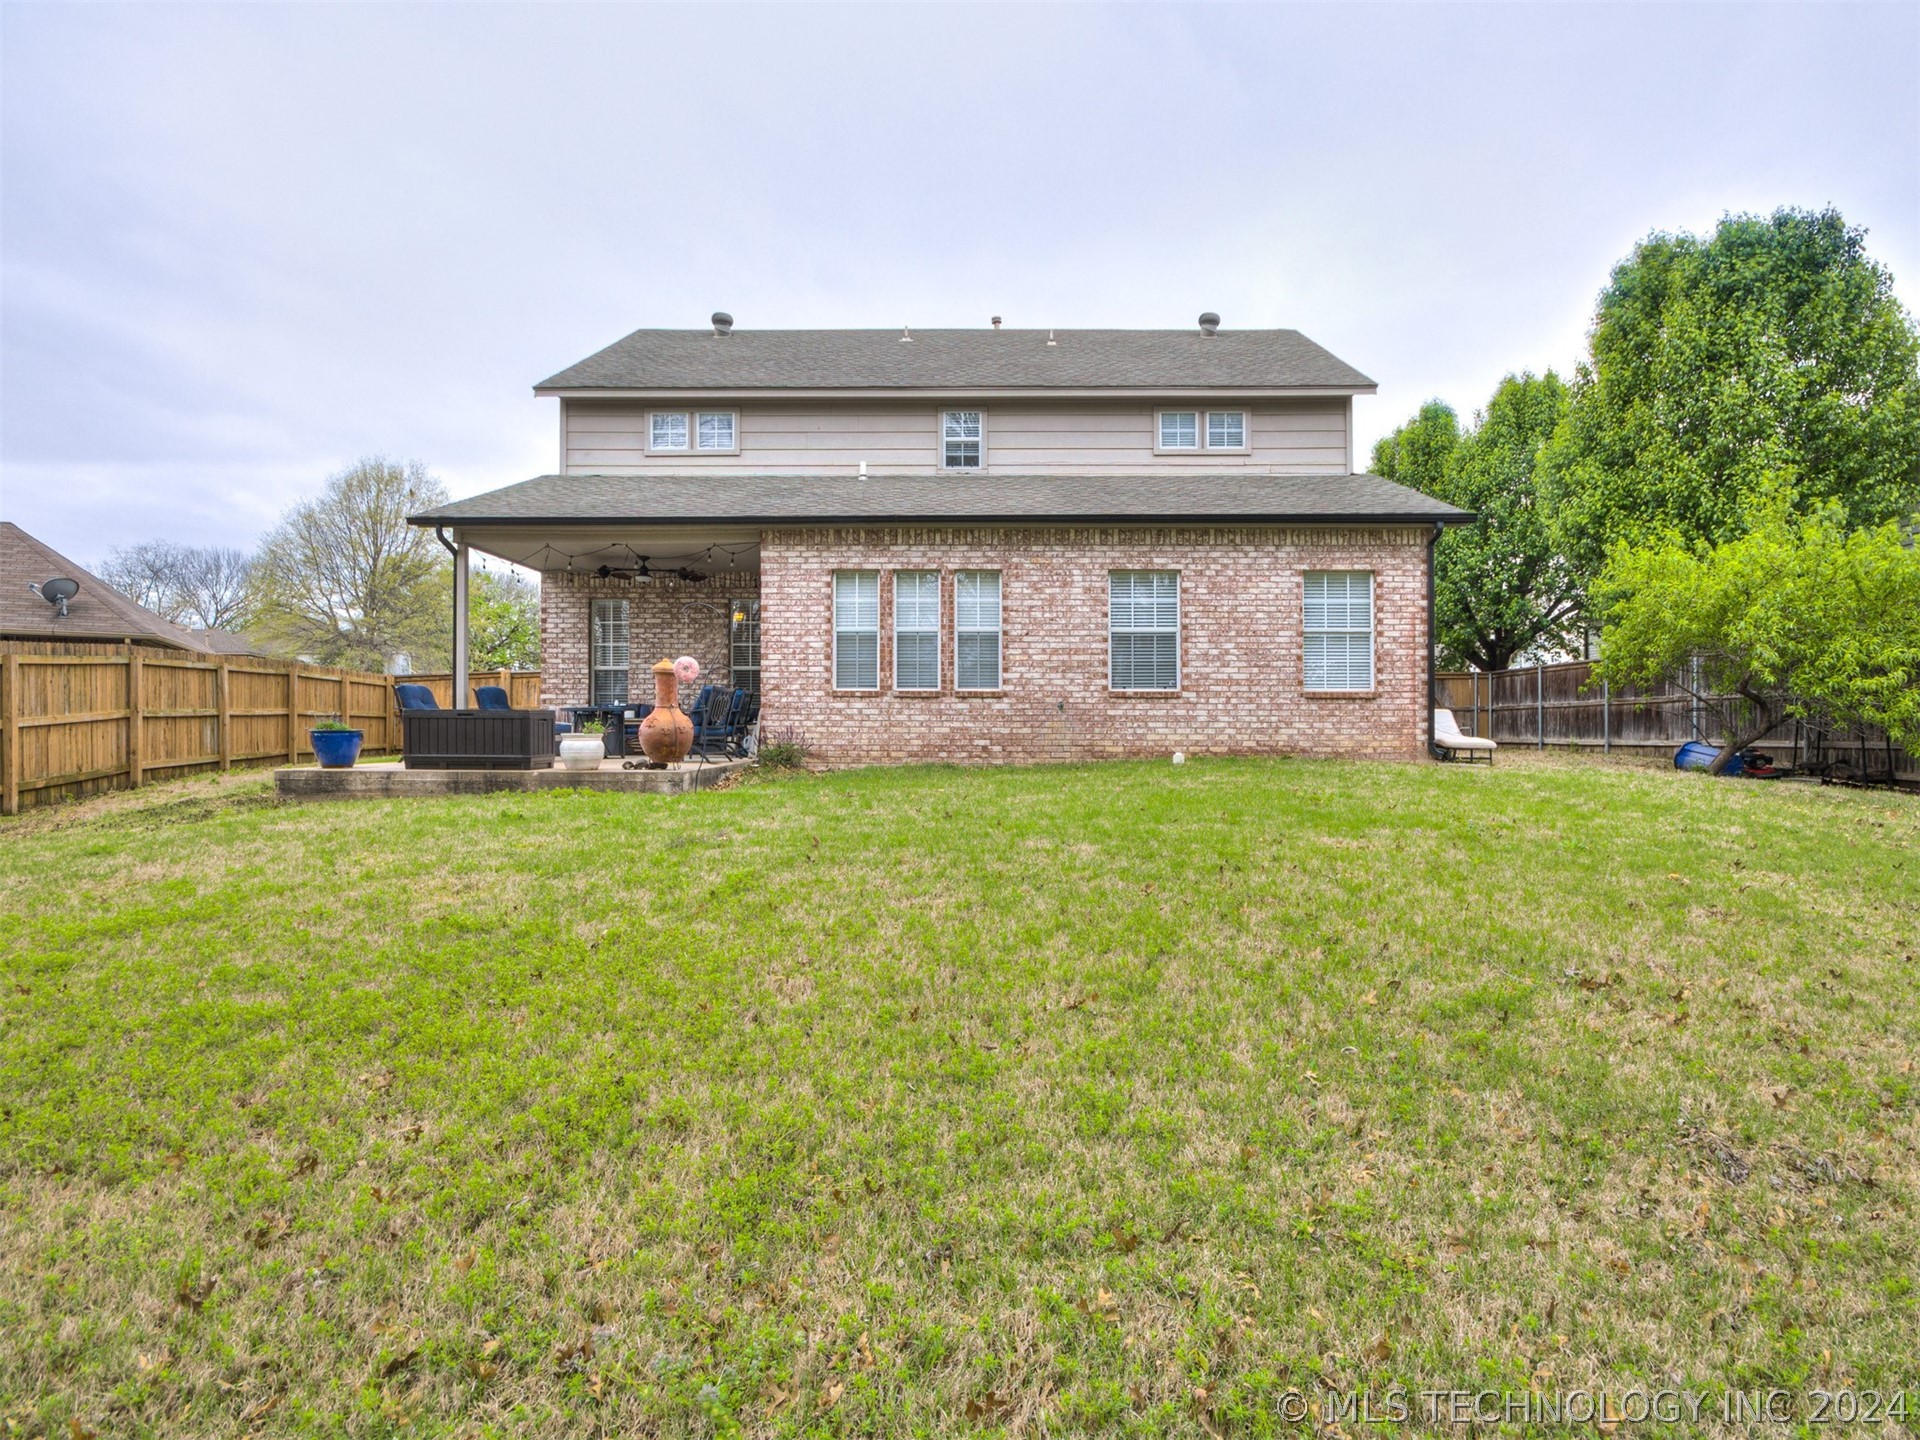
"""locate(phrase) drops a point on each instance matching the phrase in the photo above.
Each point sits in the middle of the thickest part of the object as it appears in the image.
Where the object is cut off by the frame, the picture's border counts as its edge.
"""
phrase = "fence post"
(224, 699)
(10, 762)
(136, 736)
(1539, 707)
(293, 714)
(1693, 690)
(1606, 718)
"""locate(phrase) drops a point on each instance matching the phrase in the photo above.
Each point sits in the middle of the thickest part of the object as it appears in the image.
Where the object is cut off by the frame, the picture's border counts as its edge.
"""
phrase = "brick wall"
(666, 617)
(1242, 686)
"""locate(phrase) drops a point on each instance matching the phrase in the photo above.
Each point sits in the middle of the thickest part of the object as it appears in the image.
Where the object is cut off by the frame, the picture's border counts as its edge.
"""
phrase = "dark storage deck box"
(477, 739)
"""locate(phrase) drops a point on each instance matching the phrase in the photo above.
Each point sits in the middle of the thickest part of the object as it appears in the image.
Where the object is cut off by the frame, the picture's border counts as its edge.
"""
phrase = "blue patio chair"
(415, 697)
(710, 720)
(491, 697)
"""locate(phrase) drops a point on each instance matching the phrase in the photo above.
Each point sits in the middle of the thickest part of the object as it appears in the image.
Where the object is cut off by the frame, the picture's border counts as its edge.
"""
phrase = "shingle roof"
(97, 613)
(1186, 497)
(947, 360)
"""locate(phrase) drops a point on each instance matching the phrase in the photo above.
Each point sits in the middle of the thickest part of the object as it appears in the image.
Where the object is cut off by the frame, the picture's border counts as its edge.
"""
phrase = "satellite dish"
(56, 592)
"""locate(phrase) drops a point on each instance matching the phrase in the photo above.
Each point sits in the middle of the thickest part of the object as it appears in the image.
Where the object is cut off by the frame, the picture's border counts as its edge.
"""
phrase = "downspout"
(1433, 644)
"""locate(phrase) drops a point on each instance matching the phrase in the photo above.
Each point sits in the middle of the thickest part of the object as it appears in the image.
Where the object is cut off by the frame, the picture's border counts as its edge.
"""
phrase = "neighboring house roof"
(97, 613)
(1159, 361)
(1186, 497)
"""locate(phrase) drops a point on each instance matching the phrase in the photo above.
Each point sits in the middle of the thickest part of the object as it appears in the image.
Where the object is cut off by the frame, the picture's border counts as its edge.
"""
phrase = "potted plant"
(336, 744)
(585, 748)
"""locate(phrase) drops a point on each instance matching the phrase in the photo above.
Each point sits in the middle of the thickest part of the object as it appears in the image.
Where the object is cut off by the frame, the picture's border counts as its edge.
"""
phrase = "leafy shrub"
(783, 749)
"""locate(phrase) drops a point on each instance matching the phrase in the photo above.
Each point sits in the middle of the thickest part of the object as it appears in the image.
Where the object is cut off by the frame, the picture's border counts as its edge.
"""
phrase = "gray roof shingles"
(718, 498)
(938, 360)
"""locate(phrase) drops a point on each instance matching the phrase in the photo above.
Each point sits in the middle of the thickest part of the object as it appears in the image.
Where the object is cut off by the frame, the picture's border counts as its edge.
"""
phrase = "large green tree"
(1772, 350)
(1798, 615)
(1500, 584)
(504, 614)
(344, 579)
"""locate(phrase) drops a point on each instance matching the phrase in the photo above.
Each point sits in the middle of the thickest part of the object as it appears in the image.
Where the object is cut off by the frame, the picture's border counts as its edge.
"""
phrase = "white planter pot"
(582, 752)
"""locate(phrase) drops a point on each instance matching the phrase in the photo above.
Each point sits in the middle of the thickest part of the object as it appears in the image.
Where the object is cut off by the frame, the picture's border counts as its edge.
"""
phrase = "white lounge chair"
(1450, 744)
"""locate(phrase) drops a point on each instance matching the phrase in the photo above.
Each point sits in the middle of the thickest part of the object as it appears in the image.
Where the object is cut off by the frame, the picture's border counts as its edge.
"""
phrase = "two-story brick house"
(983, 544)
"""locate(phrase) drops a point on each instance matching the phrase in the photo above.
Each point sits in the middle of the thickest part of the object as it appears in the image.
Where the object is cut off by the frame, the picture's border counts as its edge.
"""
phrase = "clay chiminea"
(667, 734)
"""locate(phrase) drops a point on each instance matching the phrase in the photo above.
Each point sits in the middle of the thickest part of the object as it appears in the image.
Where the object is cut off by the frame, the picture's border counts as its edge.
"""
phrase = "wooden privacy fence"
(76, 718)
(1562, 705)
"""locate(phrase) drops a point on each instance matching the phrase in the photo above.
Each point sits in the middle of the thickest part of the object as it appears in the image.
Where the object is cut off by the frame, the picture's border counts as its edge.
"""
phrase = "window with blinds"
(715, 430)
(856, 630)
(1143, 629)
(1226, 429)
(668, 431)
(612, 647)
(1339, 630)
(743, 653)
(1179, 430)
(916, 629)
(976, 629)
(961, 433)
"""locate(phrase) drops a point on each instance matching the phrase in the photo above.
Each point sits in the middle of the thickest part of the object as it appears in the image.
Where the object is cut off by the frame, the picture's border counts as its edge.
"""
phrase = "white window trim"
(692, 417)
(1199, 431)
(1200, 445)
(1179, 631)
(1373, 635)
(940, 440)
(938, 629)
(999, 633)
(594, 668)
(833, 619)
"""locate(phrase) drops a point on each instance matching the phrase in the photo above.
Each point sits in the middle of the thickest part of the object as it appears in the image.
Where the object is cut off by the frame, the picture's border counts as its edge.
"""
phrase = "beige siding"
(1023, 437)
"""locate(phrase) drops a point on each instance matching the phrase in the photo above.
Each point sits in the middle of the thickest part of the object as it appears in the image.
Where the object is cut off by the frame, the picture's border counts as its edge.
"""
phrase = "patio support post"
(460, 676)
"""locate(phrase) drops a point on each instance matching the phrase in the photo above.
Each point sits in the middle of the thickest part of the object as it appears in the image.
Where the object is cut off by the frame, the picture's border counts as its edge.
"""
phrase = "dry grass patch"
(1110, 1099)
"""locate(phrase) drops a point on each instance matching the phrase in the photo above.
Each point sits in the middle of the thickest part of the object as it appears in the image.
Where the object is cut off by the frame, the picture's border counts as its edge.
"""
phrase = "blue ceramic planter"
(336, 749)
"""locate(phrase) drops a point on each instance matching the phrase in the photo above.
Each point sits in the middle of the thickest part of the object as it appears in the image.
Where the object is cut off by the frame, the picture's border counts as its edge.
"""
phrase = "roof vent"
(1209, 323)
(1050, 339)
(722, 323)
(56, 592)
(906, 335)
(996, 322)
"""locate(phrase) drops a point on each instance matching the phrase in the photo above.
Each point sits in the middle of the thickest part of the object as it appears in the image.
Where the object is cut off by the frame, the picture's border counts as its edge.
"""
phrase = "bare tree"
(345, 579)
(145, 573)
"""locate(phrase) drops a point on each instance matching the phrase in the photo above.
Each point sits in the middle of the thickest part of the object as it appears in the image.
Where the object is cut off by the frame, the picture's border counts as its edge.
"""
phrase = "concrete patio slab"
(391, 780)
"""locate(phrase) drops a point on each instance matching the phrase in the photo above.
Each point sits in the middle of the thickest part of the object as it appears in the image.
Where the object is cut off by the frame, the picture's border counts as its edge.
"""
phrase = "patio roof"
(729, 500)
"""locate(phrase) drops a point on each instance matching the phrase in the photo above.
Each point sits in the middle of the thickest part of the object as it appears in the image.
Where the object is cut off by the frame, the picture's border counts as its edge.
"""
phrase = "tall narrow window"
(715, 430)
(916, 630)
(1143, 629)
(669, 432)
(1339, 630)
(960, 434)
(743, 651)
(1226, 429)
(612, 653)
(976, 630)
(1179, 430)
(856, 630)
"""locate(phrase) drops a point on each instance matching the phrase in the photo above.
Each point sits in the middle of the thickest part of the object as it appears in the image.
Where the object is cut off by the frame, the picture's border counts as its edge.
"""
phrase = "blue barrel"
(1698, 755)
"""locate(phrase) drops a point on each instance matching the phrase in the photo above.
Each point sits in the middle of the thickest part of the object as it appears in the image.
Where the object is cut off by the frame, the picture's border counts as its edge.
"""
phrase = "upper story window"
(669, 432)
(961, 439)
(1179, 430)
(716, 432)
(1191, 431)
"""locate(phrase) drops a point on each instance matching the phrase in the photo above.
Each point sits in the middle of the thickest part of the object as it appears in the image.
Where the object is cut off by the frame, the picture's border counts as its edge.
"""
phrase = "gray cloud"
(240, 246)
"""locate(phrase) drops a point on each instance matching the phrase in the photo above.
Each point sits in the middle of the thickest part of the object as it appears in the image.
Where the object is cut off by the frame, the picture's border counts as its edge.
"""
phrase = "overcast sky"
(242, 246)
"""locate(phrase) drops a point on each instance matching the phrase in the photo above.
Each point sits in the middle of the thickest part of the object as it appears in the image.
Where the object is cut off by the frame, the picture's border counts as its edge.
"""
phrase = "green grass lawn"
(1116, 1099)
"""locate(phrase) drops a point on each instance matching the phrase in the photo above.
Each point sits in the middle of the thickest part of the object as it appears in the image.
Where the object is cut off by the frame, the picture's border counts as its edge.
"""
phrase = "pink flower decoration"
(686, 669)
